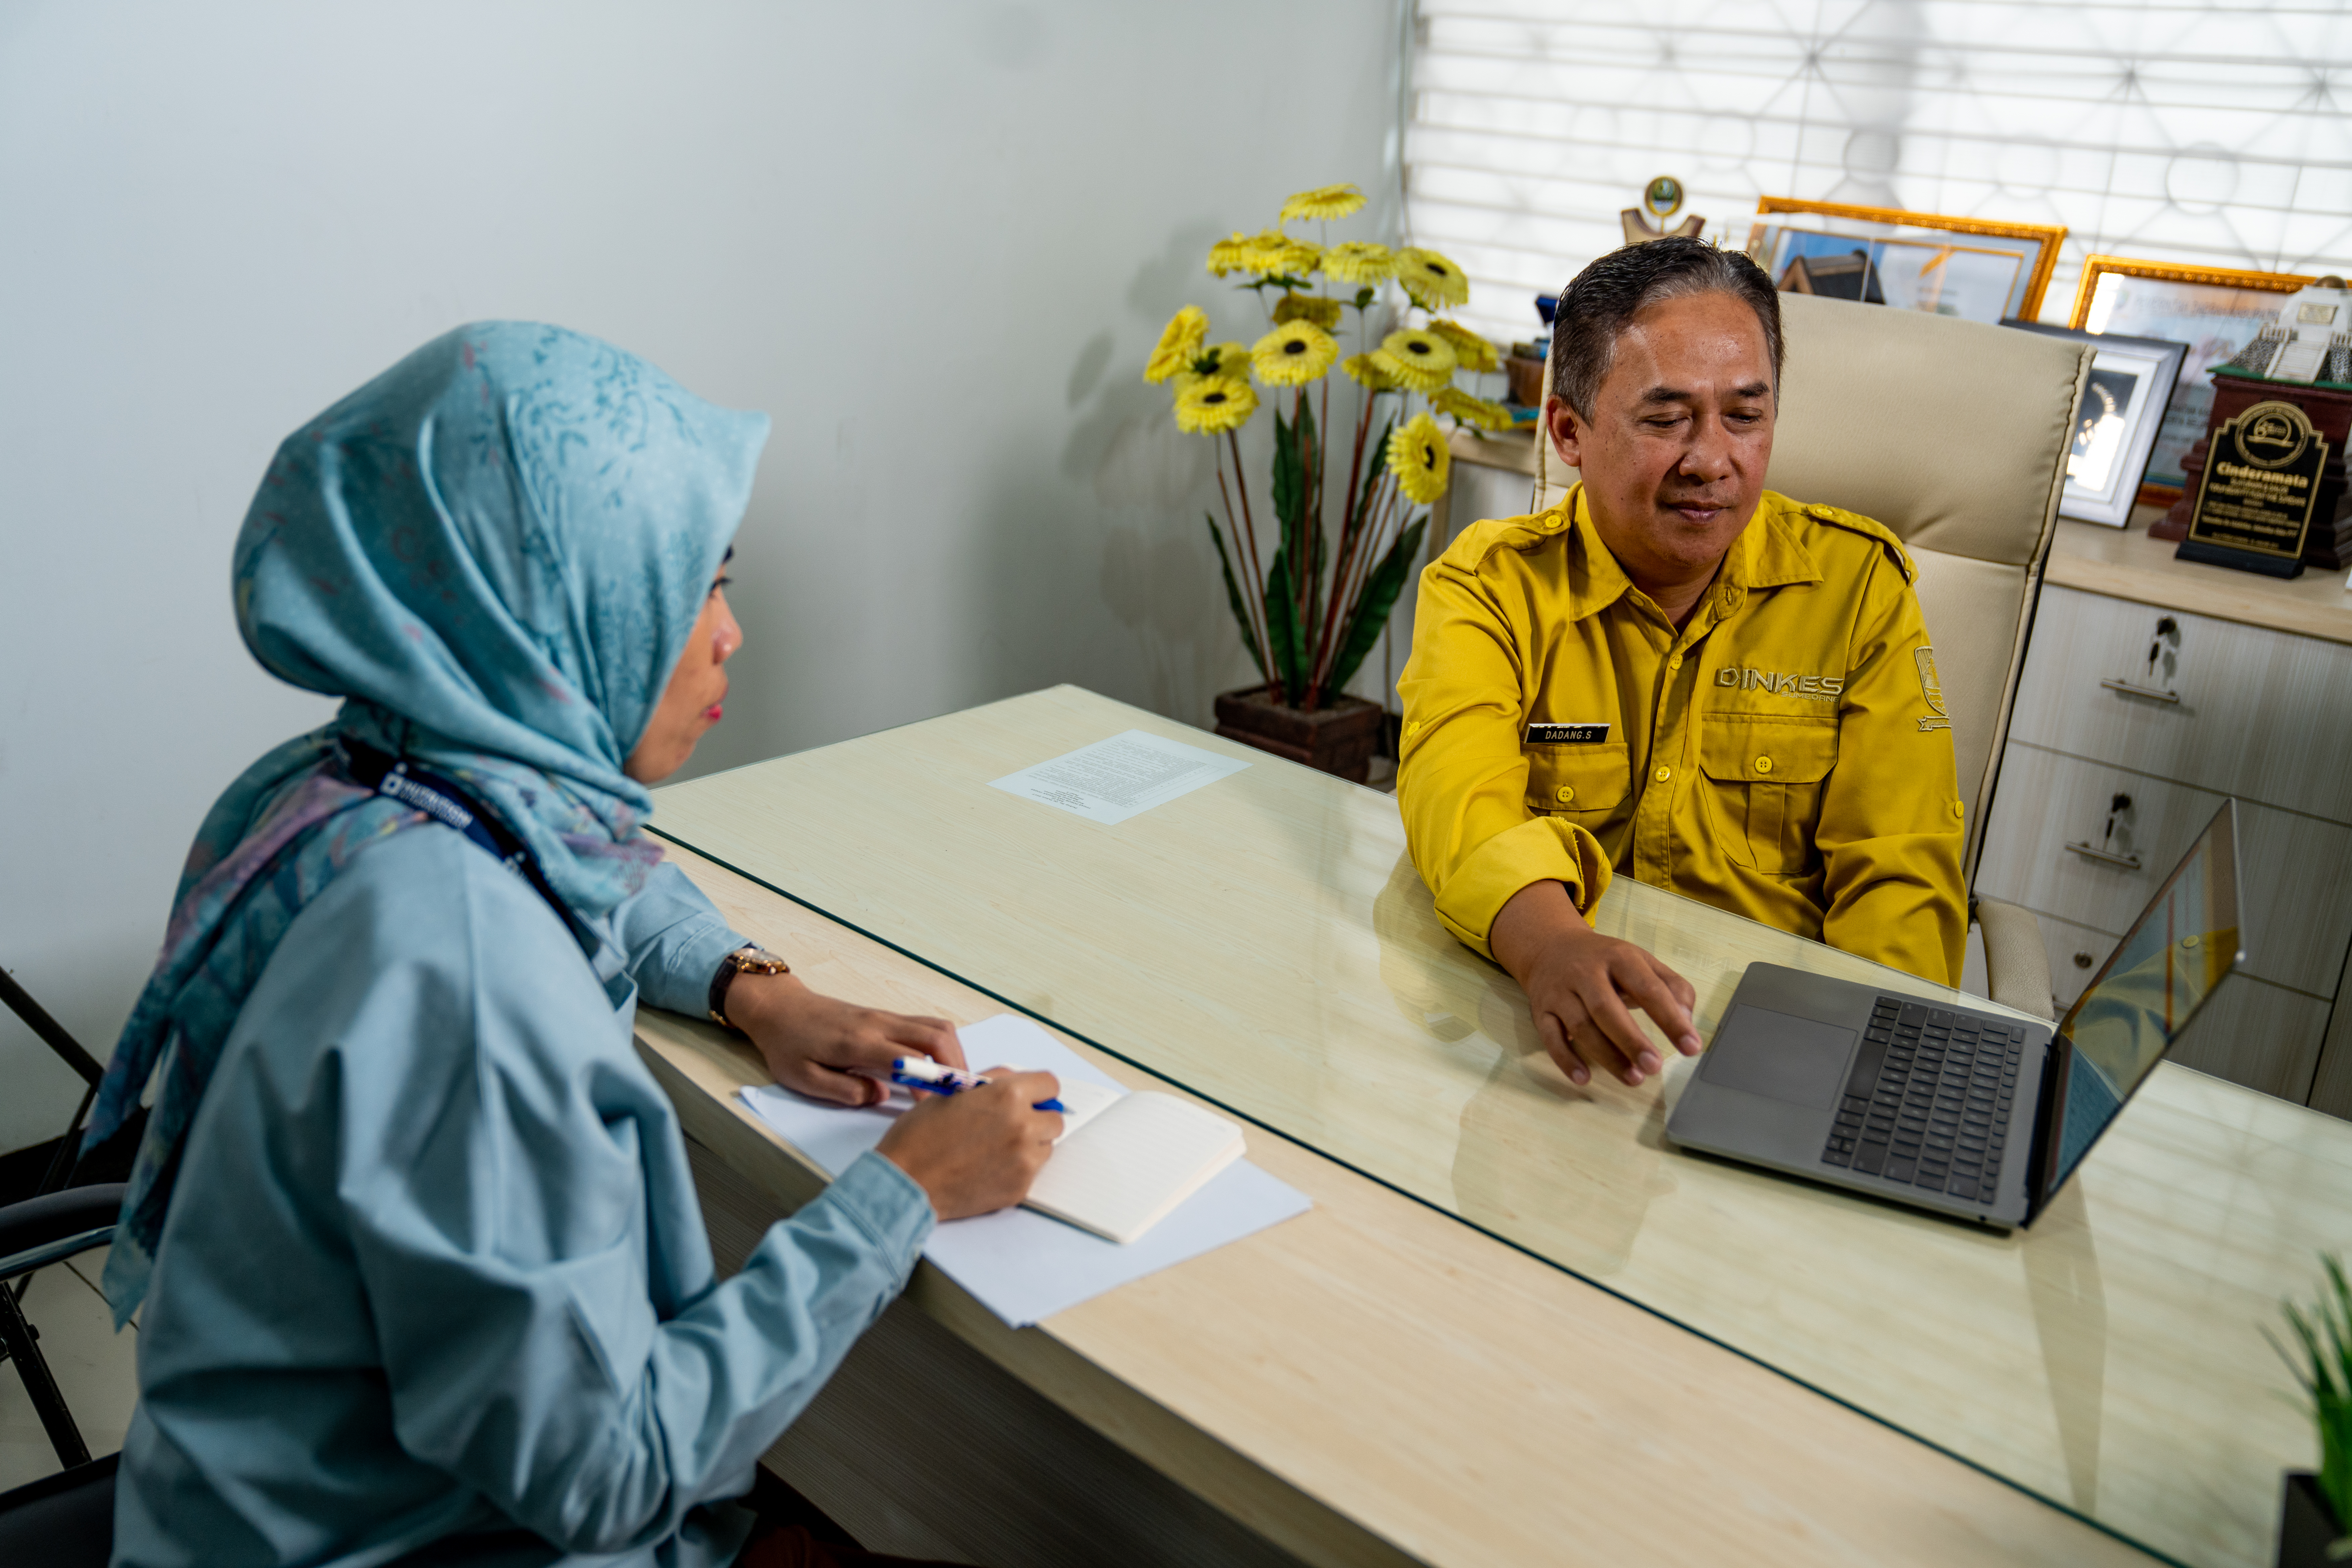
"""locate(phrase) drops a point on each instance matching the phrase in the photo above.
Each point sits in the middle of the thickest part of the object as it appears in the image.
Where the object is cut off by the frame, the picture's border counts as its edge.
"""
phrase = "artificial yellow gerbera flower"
(1280, 256)
(1323, 201)
(1360, 261)
(1178, 344)
(1420, 362)
(1418, 456)
(1235, 253)
(1365, 371)
(1470, 410)
(1293, 354)
(1472, 352)
(1219, 359)
(1214, 405)
(1324, 313)
(1434, 283)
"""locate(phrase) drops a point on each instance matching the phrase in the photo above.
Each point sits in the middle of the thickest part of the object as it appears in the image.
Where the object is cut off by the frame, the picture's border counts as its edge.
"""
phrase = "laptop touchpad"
(1761, 1052)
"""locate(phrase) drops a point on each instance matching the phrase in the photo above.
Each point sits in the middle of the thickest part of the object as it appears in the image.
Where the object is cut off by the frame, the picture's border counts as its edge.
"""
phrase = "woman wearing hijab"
(423, 1272)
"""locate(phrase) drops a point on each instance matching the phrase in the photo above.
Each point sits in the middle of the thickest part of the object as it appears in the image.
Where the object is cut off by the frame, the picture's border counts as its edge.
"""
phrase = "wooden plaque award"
(2255, 497)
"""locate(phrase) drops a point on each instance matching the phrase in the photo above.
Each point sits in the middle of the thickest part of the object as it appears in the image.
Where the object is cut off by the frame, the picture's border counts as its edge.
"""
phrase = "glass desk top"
(1265, 942)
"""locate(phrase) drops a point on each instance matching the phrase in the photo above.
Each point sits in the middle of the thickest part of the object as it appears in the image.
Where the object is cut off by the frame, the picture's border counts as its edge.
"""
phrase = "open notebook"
(1124, 1161)
(1022, 1265)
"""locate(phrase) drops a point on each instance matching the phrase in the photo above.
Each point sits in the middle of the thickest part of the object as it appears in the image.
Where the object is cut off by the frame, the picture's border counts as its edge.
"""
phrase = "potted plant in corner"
(1311, 604)
(2315, 1520)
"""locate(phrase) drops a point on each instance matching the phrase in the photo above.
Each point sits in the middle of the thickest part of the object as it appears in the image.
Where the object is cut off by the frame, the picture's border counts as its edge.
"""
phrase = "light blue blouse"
(434, 1266)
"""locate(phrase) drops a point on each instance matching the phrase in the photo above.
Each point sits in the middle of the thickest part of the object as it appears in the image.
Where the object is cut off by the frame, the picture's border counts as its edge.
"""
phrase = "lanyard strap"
(444, 799)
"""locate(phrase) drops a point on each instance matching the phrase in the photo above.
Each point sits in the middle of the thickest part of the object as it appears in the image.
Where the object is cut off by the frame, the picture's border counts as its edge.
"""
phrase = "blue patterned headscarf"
(495, 551)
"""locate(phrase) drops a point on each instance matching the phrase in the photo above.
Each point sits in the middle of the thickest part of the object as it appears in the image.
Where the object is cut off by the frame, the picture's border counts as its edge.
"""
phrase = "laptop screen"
(2179, 950)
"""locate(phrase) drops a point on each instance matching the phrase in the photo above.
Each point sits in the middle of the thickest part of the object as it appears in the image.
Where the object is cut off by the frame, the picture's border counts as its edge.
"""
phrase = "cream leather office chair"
(1955, 436)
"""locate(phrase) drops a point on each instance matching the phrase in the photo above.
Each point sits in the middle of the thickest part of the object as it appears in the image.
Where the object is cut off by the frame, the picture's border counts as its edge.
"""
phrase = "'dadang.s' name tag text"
(1568, 734)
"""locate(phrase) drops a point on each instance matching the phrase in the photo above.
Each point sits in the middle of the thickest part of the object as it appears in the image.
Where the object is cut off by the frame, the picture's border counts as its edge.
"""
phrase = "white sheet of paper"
(1019, 1263)
(1113, 780)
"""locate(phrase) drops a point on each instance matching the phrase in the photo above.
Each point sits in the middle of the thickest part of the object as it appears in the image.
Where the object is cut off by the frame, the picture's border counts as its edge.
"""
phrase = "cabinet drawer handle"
(2092, 852)
(2150, 692)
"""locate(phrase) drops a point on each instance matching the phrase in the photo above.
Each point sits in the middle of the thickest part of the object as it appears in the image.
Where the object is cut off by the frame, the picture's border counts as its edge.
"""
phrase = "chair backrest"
(1955, 435)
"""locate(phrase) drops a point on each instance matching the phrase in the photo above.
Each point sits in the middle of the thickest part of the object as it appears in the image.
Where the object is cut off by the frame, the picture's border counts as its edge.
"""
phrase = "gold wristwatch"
(752, 960)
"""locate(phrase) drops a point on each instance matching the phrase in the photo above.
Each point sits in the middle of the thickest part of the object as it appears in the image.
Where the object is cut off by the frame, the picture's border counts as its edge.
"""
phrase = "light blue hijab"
(495, 551)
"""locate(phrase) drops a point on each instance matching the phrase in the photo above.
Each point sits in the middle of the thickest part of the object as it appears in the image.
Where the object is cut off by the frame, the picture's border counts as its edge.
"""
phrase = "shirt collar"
(1602, 582)
(1770, 551)
(1769, 554)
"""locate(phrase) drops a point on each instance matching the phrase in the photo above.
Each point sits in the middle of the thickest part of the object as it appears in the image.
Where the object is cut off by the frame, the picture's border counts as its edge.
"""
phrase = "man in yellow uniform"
(1677, 674)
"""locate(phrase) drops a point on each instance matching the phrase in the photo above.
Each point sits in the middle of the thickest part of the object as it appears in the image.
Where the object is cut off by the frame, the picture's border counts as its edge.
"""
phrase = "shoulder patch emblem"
(1932, 689)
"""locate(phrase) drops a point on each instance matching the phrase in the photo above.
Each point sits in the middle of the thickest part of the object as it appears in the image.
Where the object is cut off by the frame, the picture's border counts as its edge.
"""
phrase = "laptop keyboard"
(1928, 1100)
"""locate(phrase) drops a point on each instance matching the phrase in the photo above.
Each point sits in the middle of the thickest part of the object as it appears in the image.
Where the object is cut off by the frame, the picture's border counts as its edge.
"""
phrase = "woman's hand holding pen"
(978, 1150)
(829, 1049)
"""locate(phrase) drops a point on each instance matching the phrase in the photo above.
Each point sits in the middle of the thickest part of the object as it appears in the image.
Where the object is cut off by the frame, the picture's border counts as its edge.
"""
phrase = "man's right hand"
(1583, 985)
(977, 1151)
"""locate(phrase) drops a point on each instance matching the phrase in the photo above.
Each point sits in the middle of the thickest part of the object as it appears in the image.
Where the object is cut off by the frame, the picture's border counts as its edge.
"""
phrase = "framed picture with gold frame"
(2214, 310)
(1978, 269)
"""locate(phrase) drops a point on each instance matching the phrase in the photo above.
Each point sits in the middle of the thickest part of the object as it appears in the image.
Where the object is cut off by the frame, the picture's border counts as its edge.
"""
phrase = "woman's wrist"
(749, 959)
(756, 1002)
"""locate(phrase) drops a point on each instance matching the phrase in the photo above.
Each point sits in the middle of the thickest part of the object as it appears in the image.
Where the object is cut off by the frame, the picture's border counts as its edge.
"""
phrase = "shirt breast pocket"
(1585, 782)
(1764, 788)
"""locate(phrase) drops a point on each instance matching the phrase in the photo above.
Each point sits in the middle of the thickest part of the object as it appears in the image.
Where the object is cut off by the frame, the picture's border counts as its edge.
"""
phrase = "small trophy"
(2267, 486)
(1662, 198)
(2310, 340)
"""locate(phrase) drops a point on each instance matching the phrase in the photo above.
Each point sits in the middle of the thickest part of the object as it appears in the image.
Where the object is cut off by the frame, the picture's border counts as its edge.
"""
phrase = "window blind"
(2206, 134)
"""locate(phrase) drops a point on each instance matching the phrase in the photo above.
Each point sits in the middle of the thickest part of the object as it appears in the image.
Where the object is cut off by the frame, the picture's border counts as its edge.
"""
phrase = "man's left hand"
(827, 1049)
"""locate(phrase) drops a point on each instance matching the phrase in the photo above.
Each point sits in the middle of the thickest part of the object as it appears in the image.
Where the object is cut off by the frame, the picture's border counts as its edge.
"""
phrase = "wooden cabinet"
(2134, 719)
(2238, 710)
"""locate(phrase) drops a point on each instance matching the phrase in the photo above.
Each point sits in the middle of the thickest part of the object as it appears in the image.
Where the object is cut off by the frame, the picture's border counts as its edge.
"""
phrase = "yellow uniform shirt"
(1785, 755)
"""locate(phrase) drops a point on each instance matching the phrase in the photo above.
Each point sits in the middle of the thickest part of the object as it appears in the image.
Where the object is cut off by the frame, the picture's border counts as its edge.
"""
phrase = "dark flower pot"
(1337, 738)
(2306, 1526)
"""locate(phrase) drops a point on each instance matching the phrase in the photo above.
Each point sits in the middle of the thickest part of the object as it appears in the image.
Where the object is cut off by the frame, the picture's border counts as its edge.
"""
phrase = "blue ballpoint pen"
(921, 1072)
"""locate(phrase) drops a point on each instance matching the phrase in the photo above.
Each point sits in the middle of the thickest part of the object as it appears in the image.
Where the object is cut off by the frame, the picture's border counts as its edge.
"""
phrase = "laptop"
(1967, 1113)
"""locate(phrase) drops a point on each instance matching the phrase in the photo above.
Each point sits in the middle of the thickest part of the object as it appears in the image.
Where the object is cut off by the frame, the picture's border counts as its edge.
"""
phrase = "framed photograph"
(2215, 311)
(1975, 268)
(2124, 400)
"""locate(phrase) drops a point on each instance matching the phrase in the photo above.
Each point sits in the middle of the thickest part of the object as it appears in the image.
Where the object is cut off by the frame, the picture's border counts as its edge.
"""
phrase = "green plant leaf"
(1376, 456)
(1290, 480)
(1369, 613)
(1282, 628)
(2323, 1371)
(1233, 597)
(1306, 542)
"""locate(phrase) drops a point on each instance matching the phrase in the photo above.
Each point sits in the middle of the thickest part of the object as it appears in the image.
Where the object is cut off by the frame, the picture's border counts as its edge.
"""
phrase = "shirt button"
(1674, 661)
(1959, 810)
(1550, 524)
(1763, 764)
(1566, 795)
(1663, 774)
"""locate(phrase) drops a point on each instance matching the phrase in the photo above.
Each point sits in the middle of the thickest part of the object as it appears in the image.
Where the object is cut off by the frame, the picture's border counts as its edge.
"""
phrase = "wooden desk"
(1263, 941)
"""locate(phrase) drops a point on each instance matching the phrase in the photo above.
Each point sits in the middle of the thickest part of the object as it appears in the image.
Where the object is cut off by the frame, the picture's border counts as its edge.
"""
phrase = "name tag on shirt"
(1568, 734)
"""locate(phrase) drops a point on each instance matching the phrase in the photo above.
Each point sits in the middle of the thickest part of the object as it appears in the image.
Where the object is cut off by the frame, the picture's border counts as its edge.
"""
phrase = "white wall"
(935, 241)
